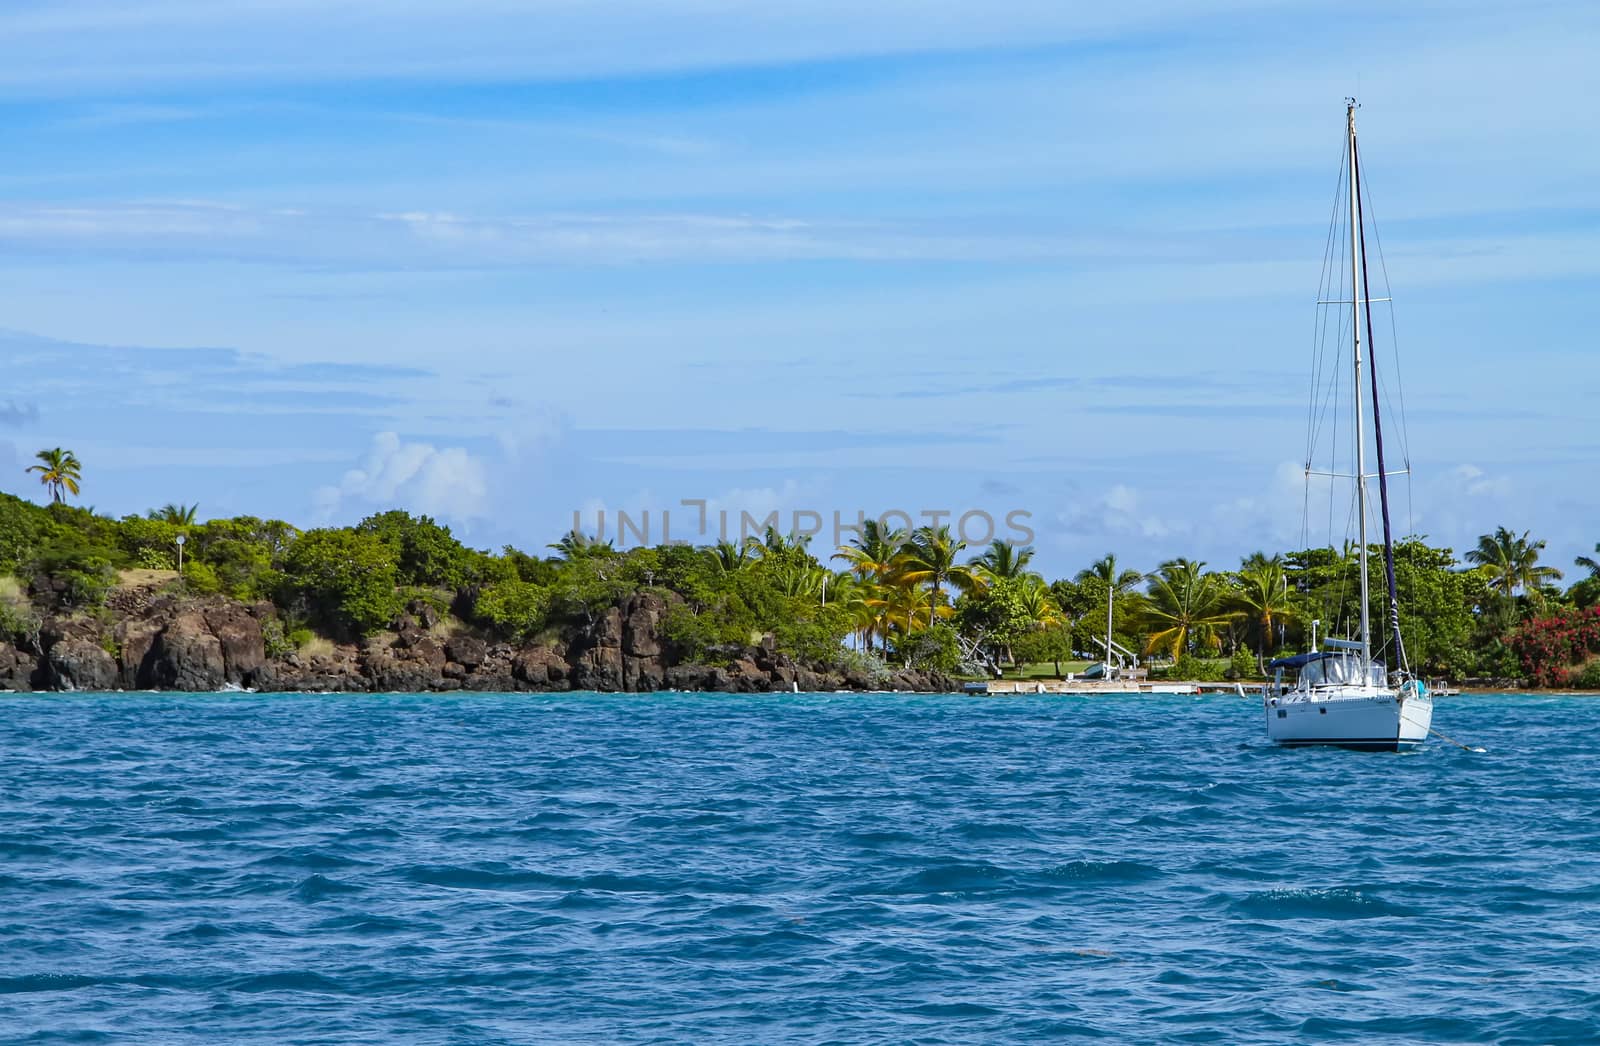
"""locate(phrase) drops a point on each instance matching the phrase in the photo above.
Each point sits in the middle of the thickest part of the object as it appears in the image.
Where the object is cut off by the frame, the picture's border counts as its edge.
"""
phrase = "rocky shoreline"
(150, 639)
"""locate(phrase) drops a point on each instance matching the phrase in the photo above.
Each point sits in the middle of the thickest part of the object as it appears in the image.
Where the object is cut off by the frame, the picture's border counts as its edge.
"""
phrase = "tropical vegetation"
(917, 597)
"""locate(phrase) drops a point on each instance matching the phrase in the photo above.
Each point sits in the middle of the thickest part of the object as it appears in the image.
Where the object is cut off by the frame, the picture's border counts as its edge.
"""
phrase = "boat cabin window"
(1341, 671)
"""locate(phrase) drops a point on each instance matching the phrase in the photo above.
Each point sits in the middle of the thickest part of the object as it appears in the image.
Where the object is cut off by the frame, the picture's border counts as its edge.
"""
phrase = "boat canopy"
(1298, 660)
(1333, 667)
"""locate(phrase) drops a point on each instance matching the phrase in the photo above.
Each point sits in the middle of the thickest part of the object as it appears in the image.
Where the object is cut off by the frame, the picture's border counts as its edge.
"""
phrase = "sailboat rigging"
(1341, 695)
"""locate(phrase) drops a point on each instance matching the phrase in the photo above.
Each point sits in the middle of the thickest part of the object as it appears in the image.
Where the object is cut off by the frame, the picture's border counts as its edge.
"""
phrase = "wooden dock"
(1002, 687)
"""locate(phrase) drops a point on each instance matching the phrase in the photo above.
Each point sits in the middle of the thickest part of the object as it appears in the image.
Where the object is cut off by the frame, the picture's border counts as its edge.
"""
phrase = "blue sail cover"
(1298, 660)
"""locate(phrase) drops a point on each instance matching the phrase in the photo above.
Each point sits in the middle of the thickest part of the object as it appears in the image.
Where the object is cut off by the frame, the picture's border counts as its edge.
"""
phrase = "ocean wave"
(728, 869)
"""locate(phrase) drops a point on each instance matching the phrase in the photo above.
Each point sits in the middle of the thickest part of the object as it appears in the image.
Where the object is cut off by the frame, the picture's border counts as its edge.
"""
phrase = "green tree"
(929, 558)
(871, 553)
(1002, 559)
(425, 553)
(1109, 589)
(1439, 607)
(1512, 562)
(514, 608)
(245, 552)
(1185, 607)
(177, 515)
(1263, 595)
(24, 530)
(149, 542)
(1053, 644)
(60, 472)
(344, 579)
(729, 556)
(997, 615)
(575, 544)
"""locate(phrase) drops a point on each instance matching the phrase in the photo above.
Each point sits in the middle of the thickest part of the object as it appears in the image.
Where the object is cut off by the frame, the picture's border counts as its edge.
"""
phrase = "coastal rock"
(339, 671)
(393, 674)
(238, 632)
(136, 639)
(185, 656)
(541, 668)
(598, 668)
(17, 668)
(639, 637)
(687, 677)
(467, 651)
(168, 639)
(642, 674)
(423, 612)
(745, 676)
(81, 664)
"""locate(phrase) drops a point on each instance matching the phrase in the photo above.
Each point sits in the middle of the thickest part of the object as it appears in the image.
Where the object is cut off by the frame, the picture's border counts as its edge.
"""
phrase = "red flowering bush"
(1552, 649)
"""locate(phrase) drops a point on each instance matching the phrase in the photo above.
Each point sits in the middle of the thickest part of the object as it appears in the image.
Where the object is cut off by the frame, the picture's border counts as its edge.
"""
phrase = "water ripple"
(813, 868)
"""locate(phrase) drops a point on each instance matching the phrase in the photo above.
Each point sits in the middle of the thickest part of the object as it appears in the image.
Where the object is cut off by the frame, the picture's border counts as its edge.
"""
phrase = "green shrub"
(1241, 666)
(513, 608)
(424, 552)
(18, 620)
(149, 543)
(84, 570)
(932, 649)
(815, 639)
(24, 529)
(1589, 678)
(1202, 669)
(689, 635)
(245, 552)
(273, 641)
(201, 577)
(863, 663)
(343, 579)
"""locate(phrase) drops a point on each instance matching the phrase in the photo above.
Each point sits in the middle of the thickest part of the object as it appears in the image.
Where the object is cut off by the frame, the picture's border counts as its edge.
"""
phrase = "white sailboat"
(1341, 695)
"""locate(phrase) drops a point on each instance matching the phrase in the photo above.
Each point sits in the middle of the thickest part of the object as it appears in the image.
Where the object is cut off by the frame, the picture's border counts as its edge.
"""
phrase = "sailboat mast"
(1355, 355)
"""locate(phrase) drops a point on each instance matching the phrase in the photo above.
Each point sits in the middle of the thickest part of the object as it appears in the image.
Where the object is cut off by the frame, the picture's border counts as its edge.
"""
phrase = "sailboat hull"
(1366, 718)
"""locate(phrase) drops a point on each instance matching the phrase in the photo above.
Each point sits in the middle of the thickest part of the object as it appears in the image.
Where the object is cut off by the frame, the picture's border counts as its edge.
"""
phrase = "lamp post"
(180, 540)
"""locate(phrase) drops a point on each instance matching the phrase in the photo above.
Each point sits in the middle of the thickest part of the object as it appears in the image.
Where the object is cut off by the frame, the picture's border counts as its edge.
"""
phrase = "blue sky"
(502, 261)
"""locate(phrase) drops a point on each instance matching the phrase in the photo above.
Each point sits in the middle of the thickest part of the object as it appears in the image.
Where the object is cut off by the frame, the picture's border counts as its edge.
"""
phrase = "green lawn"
(1045, 670)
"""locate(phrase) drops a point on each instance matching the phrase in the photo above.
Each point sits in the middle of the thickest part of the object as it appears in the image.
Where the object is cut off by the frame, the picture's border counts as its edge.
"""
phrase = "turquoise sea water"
(797, 868)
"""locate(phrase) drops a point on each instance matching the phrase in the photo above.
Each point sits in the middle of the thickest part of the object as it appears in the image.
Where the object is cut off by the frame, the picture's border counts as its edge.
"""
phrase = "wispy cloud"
(15, 414)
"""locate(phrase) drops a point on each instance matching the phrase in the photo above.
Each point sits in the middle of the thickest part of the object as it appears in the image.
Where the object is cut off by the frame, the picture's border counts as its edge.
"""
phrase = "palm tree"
(1589, 563)
(177, 515)
(729, 557)
(849, 593)
(1263, 595)
(1039, 601)
(871, 554)
(774, 543)
(798, 579)
(575, 544)
(1002, 559)
(59, 470)
(930, 558)
(902, 607)
(1185, 606)
(1513, 562)
(1117, 582)
(1105, 569)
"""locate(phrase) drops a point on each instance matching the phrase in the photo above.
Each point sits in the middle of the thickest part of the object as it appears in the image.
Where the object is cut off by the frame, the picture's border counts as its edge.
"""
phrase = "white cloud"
(1475, 483)
(1119, 512)
(449, 483)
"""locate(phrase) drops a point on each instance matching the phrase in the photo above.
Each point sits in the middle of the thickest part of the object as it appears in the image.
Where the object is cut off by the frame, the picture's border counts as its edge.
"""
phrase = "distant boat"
(1341, 695)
